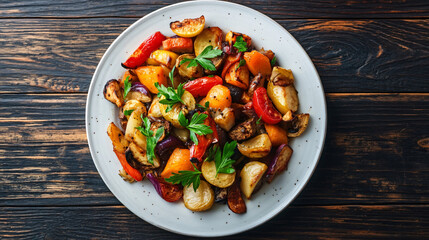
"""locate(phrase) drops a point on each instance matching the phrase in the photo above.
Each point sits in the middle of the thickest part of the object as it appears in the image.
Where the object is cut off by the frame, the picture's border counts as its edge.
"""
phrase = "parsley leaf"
(223, 159)
(202, 58)
(195, 126)
(186, 178)
(205, 107)
(172, 96)
(128, 112)
(171, 75)
(240, 44)
(127, 86)
(259, 120)
(273, 61)
(241, 63)
(151, 139)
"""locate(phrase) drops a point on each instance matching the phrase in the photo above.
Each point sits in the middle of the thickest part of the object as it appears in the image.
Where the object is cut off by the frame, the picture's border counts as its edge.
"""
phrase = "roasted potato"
(211, 36)
(188, 72)
(139, 139)
(134, 121)
(155, 108)
(113, 92)
(173, 115)
(182, 134)
(257, 147)
(199, 200)
(140, 155)
(224, 118)
(117, 137)
(284, 98)
(188, 27)
(132, 105)
(166, 58)
(222, 180)
(281, 77)
(250, 175)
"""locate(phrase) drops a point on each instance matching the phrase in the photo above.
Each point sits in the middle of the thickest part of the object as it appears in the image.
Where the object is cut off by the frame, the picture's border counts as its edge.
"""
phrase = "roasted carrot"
(277, 135)
(179, 160)
(257, 63)
(181, 45)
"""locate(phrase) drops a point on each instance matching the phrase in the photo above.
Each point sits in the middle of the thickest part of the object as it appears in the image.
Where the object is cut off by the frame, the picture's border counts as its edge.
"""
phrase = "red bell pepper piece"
(197, 151)
(134, 173)
(201, 86)
(142, 53)
(182, 45)
(230, 60)
(264, 107)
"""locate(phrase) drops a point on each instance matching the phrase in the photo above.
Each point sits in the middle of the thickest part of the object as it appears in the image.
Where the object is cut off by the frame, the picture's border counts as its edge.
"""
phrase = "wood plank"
(39, 55)
(275, 9)
(372, 153)
(305, 222)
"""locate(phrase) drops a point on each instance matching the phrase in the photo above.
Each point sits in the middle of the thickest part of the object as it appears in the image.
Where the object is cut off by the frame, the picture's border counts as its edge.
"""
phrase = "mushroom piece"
(281, 76)
(113, 92)
(299, 124)
(243, 131)
(257, 81)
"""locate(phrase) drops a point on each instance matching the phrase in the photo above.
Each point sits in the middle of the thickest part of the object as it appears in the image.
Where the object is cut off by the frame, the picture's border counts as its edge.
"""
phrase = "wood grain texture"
(312, 222)
(371, 155)
(275, 9)
(351, 56)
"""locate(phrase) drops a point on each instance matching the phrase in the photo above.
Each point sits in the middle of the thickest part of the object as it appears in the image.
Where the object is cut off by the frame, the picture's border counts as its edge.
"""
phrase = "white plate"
(141, 198)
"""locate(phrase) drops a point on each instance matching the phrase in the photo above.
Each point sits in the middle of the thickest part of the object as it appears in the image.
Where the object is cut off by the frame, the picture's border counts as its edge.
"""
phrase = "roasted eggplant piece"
(257, 147)
(236, 92)
(188, 72)
(235, 200)
(243, 131)
(221, 194)
(279, 163)
(299, 124)
(250, 175)
(281, 77)
(113, 92)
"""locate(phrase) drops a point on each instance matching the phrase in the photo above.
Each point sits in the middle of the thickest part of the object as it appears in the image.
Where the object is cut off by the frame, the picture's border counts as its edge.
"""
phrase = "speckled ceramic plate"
(141, 198)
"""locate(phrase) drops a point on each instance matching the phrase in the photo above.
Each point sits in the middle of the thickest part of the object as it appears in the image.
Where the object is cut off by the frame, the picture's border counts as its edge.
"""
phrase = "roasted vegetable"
(264, 107)
(118, 139)
(250, 175)
(221, 180)
(130, 106)
(281, 77)
(279, 163)
(221, 194)
(201, 86)
(200, 200)
(284, 98)
(140, 155)
(182, 134)
(257, 81)
(188, 72)
(165, 148)
(173, 115)
(211, 36)
(257, 147)
(158, 123)
(231, 38)
(230, 60)
(113, 92)
(155, 108)
(219, 97)
(224, 118)
(179, 161)
(179, 45)
(134, 173)
(139, 139)
(236, 92)
(139, 92)
(169, 192)
(149, 75)
(130, 75)
(277, 135)
(257, 63)
(188, 27)
(299, 124)
(163, 57)
(142, 53)
(268, 53)
(243, 131)
(238, 75)
(134, 121)
(235, 201)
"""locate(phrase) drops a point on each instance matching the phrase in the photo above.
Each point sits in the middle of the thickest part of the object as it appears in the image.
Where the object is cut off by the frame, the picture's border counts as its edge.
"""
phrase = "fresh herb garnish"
(273, 61)
(127, 86)
(223, 159)
(205, 107)
(128, 112)
(240, 44)
(186, 178)
(151, 140)
(210, 76)
(171, 75)
(203, 59)
(259, 120)
(172, 96)
(196, 126)
(241, 63)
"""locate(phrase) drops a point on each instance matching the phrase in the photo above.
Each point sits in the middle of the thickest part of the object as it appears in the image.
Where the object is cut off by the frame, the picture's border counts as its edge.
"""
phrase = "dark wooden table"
(373, 178)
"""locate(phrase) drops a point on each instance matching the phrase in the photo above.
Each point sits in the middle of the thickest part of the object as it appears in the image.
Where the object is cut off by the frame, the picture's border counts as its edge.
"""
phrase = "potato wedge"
(250, 175)
(281, 77)
(132, 105)
(188, 72)
(188, 27)
(257, 147)
(222, 180)
(211, 36)
(117, 137)
(173, 115)
(140, 155)
(224, 118)
(199, 200)
(155, 109)
(139, 139)
(134, 121)
(284, 98)
(164, 57)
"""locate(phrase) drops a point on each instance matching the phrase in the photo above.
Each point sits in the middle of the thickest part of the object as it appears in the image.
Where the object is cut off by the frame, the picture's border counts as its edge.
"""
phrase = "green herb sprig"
(203, 59)
(205, 107)
(127, 86)
(241, 63)
(128, 112)
(223, 159)
(240, 44)
(151, 139)
(195, 126)
(273, 61)
(186, 178)
(172, 96)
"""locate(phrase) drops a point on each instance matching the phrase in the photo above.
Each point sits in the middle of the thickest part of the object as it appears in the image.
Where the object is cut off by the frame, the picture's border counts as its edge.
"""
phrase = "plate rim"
(275, 211)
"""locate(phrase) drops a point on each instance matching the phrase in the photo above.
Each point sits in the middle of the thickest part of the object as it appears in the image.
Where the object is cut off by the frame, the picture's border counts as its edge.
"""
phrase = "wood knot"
(424, 143)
